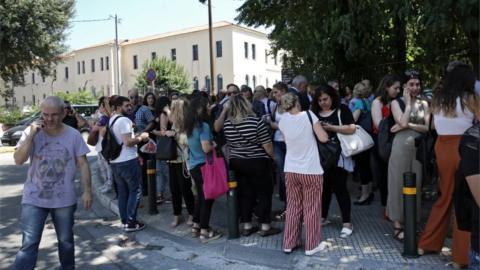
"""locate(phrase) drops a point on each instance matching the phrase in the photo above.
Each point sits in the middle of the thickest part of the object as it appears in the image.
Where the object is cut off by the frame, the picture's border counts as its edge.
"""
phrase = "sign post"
(151, 75)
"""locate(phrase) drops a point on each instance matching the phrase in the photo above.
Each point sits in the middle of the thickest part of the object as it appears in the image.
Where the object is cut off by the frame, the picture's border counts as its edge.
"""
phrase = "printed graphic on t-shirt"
(49, 169)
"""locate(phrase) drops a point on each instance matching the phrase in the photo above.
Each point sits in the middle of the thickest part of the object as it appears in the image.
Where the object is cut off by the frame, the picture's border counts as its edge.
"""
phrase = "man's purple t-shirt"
(51, 174)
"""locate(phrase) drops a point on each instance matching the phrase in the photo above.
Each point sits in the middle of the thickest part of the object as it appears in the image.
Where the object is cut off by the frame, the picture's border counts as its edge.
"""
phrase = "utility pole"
(117, 61)
(212, 77)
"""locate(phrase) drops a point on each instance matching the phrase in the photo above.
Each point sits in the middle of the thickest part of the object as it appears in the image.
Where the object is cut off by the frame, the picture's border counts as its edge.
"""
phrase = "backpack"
(110, 147)
(365, 118)
(385, 137)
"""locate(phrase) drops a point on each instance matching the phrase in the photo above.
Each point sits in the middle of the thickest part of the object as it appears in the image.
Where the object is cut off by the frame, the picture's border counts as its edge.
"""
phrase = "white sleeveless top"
(453, 125)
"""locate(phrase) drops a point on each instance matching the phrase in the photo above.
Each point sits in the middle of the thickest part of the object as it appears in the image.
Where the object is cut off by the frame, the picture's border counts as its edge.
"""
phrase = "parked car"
(12, 136)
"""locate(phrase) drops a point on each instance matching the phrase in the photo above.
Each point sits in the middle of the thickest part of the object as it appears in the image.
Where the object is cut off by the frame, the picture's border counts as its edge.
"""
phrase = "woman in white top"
(455, 106)
(303, 174)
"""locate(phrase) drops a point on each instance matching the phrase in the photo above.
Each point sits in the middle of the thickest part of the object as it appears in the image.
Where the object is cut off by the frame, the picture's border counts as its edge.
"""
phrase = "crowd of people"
(271, 137)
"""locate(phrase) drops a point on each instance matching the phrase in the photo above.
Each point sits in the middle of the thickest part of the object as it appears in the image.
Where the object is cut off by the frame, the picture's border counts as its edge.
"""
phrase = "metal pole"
(212, 78)
(117, 66)
(232, 203)
(410, 215)
(152, 188)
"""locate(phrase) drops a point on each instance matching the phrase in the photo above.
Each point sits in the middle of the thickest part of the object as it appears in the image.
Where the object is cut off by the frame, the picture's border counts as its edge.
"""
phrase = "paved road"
(99, 242)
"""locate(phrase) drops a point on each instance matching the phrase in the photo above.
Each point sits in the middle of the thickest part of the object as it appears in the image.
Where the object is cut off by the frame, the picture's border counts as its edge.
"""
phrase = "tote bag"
(166, 148)
(214, 174)
(355, 143)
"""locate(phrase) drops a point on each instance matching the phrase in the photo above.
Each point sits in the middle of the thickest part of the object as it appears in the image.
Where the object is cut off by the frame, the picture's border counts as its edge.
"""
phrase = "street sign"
(151, 75)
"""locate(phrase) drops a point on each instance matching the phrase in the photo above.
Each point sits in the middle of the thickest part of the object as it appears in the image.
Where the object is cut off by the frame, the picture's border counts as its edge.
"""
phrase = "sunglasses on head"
(411, 73)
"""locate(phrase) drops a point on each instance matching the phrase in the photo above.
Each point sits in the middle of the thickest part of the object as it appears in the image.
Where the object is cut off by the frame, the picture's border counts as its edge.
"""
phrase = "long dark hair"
(459, 82)
(386, 82)
(330, 91)
(145, 102)
(197, 113)
(160, 104)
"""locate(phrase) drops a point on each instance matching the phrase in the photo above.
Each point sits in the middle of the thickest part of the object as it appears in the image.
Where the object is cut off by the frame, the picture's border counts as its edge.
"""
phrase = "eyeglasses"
(411, 73)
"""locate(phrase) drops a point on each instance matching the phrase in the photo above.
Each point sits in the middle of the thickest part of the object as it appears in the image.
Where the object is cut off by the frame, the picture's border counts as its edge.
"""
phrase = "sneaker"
(346, 232)
(322, 246)
(134, 226)
(325, 222)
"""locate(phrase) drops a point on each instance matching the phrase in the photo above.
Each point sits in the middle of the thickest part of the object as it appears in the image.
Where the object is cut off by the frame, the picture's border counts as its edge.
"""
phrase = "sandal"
(281, 216)
(271, 231)
(248, 232)
(398, 234)
(210, 236)
(195, 232)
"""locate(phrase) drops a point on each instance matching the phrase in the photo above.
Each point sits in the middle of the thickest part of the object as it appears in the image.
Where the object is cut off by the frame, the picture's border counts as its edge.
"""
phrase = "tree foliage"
(32, 35)
(170, 75)
(80, 97)
(354, 39)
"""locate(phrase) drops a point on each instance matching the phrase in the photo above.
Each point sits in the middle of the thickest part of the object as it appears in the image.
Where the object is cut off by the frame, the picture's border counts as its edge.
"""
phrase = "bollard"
(152, 188)
(410, 215)
(232, 202)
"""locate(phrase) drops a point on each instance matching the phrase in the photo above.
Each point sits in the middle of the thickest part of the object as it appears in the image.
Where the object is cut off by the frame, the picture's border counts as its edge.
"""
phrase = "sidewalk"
(371, 246)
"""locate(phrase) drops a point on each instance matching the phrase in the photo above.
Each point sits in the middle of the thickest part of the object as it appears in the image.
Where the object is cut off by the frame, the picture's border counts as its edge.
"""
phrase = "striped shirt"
(246, 138)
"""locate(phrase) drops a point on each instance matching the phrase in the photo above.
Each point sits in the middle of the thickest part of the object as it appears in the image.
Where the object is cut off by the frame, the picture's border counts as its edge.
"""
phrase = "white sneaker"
(322, 246)
(346, 232)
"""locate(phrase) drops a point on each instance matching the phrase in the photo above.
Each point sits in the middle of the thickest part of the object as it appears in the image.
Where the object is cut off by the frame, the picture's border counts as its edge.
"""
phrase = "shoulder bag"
(329, 152)
(214, 174)
(355, 143)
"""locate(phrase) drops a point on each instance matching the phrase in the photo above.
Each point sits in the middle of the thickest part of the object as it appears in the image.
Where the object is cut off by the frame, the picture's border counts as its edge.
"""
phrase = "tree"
(80, 97)
(355, 39)
(170, 75)
(7, 93)
(32, 35)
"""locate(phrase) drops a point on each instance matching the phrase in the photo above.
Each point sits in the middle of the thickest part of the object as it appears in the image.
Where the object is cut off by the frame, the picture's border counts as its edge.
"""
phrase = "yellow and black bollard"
(152, 188)
(232, 202)
(410, 215)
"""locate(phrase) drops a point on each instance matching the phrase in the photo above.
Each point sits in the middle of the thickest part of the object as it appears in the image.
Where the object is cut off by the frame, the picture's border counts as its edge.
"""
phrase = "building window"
(219, 82)
(83, 67)
(195, 83)
(246, 49)
(43, 78)
(14, 100)
(219, 49)
(173, 54)
(135, 61)
(107, 63)
(24, 100)
(254, 80)
(66, 73)
(195, 52)
(78, 67)
(254, 54)
(33, 99)
(275, 59)
(54, 74)
(266, 57)
(101, 63)
(247, 80)
(207, 83)
(93, 64)
(44, 96)
(266, 82)
(33, 78)
(154, 55)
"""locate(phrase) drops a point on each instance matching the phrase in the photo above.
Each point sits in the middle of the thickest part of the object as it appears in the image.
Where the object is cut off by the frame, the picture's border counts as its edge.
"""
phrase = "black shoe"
(271, 231)
(134, 226)
(248, 232)
(367, 201)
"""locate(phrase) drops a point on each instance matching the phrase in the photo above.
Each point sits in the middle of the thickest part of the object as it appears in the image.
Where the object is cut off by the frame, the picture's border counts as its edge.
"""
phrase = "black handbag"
(329, 152)
(166, 148)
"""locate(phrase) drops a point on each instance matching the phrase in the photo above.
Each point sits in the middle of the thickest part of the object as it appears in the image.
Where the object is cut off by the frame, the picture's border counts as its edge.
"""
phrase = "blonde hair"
(177, 113)
(288, 102)
(259, 93)
(361, 90)
(240, 109)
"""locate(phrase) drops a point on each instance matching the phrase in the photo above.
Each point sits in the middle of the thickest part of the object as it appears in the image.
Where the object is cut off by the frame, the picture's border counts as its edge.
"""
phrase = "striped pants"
(304, 193)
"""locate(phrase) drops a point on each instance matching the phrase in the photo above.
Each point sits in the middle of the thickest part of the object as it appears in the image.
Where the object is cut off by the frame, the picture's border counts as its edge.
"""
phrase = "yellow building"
(241, 56)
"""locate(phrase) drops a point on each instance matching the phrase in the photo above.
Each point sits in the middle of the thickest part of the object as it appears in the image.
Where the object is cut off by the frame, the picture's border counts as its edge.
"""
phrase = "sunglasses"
(411, 73)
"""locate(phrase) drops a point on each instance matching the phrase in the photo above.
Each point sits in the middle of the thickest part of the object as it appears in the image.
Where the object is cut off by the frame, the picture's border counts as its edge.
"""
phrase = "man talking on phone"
(54, 150)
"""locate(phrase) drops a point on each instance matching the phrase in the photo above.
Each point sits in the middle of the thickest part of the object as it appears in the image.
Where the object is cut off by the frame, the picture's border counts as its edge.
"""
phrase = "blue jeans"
(128, 176)
(162, 179)
(280, 150)
(474, 260)
(32, 223)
